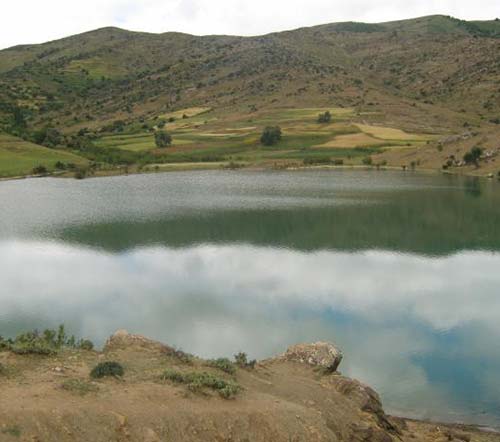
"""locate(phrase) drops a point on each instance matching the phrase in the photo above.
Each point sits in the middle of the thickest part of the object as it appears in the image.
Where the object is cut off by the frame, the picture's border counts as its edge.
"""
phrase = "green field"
(19, 157)
(215, 138)
(212, 137)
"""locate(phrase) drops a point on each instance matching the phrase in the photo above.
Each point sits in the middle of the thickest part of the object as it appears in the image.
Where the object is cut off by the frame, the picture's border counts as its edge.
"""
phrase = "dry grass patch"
(389, 133)
(189, 112)
(353, 140)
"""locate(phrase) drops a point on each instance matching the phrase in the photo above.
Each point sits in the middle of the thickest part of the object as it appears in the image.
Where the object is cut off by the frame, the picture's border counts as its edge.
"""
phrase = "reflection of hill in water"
(430, 222)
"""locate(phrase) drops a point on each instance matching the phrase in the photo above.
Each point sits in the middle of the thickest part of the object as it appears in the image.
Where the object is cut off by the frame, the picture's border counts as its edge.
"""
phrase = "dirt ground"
(52, 398)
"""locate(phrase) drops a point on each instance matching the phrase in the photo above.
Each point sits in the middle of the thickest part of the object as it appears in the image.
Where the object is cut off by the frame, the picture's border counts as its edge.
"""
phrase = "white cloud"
(34, 21)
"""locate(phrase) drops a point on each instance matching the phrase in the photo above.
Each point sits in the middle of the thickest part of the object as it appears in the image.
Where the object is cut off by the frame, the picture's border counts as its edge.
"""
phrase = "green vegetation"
(79, 387)
(241, 360)
(12, 430)
(223, 364)
(325, 117)
(472, 157)
(162, 139)
(48, 342)
(19, 157)
(108, 368)
(198, 381)
(271, 135)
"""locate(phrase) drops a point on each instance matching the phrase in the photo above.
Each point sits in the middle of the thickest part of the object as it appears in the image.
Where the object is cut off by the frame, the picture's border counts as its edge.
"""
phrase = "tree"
(472, 157)
(271, 135)
(162, 139)
(325, 118)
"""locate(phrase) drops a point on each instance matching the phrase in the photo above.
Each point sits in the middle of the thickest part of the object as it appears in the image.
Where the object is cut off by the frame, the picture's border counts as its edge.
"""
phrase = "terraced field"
(203, 135)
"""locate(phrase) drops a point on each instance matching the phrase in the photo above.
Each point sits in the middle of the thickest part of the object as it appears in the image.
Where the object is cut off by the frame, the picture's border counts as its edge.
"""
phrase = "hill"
(436, 77)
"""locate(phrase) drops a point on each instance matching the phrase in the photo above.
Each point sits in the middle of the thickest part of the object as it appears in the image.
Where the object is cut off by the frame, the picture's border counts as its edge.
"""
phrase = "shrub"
(85, 344)
(223, 364)
(108, 368)
(241, 360)
(472, 157)
(196, 382)
(367, 161)
(325, 118)
(60, 165)
(162, 139)
(271, 135)
(39, 170)
(317, 160)
(46, 343)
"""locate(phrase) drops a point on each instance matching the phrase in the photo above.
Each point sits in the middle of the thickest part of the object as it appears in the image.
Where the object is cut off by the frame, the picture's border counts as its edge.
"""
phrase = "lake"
(401, 270)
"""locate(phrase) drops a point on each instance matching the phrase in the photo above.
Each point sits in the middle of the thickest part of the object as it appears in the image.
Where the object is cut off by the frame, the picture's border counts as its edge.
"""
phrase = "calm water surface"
(400, 270)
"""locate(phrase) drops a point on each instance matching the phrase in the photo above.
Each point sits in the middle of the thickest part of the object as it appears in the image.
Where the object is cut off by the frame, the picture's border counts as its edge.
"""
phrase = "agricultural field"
(19, 157)
(203, 135)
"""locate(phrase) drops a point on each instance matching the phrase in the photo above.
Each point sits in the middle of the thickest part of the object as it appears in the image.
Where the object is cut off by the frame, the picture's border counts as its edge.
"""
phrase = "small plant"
(241, 360)
(271, 135)
(79, 386)
(3, 370)
(108, 368)
(223, 364)
(196, 382)
(367, 161)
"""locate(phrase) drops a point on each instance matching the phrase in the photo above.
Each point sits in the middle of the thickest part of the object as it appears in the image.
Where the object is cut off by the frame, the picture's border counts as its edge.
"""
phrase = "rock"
(122, 339)
(320, 354)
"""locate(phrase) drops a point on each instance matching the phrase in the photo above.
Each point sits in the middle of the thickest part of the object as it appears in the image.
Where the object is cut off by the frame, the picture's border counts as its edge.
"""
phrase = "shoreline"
(36, 382)
(225, 166)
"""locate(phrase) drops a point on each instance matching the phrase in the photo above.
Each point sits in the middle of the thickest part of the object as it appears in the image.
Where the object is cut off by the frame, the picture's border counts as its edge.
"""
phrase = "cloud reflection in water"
(424, 331)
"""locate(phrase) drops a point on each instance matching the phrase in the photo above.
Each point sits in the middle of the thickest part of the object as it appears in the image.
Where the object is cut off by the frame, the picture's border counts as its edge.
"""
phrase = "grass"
(12, 430)
(79, 387)
(199, 381)
(390, 133)
(19, 157)
(222, 364)
(220, 139)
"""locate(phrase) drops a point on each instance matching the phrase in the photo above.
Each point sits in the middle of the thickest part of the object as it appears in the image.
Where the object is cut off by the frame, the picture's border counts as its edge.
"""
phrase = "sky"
(36, 21)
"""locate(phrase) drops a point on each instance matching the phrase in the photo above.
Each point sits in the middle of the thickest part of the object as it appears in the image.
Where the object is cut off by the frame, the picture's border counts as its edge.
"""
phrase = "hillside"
(163, 394)
(435, 76)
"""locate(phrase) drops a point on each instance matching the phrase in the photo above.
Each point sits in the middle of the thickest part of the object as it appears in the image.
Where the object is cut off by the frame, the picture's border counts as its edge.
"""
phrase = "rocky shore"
(163, 394)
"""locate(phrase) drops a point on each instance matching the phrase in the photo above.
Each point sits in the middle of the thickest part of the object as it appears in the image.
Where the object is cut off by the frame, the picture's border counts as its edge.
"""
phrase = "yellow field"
(189, 112)
(352, 140)
(389, 133)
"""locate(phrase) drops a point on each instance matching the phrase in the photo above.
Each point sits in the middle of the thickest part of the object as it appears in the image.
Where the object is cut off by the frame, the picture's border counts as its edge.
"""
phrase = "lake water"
(401, 270)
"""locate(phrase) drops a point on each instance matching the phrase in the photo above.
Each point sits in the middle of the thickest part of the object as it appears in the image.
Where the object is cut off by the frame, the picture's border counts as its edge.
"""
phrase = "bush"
(85, 344)
(241, 360)
(367, 161)
(472, 157)
(39, 170)
(108, 368)
(223, 364)
(162, 139)
(271, 135)
(325, 118)
(48, 342)
(317, 160)
(196, 382)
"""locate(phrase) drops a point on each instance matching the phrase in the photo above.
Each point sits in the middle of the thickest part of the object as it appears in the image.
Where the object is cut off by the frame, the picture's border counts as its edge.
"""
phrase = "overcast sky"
(36, 21)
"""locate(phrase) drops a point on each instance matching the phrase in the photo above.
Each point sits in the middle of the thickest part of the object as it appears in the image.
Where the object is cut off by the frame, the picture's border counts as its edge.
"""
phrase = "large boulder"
(320, 354)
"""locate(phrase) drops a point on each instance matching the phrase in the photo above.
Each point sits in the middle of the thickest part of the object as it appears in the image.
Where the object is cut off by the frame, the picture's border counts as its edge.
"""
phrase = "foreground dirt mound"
(167, 395)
